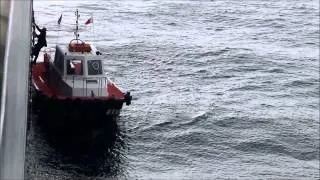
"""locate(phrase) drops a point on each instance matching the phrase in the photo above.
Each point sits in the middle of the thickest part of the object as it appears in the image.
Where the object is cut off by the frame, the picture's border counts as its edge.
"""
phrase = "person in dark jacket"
(41, 42)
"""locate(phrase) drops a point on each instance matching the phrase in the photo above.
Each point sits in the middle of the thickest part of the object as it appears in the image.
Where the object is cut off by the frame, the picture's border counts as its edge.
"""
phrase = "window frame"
(68, 60)
(100, 68)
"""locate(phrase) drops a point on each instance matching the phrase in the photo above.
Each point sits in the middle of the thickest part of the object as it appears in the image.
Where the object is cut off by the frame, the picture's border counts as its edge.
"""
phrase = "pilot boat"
(71, 85)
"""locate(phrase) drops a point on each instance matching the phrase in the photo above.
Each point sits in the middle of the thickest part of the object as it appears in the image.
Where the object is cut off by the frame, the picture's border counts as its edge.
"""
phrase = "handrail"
(13, 117)
(101, 82)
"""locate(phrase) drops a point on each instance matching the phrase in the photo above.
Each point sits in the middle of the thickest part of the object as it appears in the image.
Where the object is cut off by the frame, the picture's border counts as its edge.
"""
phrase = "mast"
(77, 25)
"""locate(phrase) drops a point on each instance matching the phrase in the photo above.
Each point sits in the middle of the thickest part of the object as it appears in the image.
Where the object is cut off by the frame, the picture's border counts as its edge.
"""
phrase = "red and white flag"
(90, 20)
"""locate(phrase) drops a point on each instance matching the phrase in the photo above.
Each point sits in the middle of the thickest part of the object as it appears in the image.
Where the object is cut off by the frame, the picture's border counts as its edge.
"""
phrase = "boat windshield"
(94, 67)
(74, 67)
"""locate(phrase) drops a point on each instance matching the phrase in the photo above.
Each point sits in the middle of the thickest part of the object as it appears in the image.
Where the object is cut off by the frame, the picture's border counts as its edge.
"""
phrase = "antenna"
(77, 22)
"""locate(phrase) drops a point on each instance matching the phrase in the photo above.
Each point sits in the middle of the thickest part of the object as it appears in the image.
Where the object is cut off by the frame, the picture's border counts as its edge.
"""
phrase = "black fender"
(127, 98)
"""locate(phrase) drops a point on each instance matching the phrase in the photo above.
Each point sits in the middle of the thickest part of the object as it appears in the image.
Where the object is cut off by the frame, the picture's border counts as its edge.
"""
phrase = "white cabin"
(80, 66)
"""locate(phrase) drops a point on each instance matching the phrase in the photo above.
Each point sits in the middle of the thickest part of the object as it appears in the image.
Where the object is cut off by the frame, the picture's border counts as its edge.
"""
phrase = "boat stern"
(115, 92)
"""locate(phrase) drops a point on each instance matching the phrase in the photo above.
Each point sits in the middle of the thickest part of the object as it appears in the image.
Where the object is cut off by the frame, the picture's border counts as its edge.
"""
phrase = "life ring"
(95, 65)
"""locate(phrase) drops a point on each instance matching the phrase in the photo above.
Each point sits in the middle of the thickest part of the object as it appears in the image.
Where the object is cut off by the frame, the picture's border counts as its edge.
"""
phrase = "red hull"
(41, 82)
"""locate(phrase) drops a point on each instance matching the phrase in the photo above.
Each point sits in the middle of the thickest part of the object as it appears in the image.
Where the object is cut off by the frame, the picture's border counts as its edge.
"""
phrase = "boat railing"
(50, 51)
(89, 90)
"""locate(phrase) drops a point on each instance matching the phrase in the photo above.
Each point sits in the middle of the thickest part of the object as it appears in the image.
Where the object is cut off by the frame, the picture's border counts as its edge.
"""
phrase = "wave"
(219, 77)
(213, 53)
(269, 146)
(246, 88)
(205, 54)
(276, 70)
(302, 83)
(243, 122)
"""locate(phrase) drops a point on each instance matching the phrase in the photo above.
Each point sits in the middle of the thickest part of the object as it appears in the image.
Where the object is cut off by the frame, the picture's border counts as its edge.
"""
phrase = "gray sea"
(222, 89)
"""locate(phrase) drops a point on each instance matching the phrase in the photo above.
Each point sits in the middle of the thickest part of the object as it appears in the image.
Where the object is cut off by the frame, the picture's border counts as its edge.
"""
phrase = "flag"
(59, 20)
(90, 20)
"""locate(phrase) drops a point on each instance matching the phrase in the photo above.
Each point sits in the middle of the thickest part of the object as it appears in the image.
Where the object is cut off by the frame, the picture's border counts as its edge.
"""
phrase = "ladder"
(30, 86)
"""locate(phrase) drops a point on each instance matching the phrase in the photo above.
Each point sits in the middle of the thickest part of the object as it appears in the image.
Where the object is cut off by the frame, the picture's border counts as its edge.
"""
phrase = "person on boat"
(41, 42)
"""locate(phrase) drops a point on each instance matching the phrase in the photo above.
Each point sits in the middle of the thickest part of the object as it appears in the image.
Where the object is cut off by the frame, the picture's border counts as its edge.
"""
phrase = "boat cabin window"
(94, 67)
(74, 67)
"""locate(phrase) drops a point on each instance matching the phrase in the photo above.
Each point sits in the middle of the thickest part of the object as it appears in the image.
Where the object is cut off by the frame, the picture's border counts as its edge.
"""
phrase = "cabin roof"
(65, 50)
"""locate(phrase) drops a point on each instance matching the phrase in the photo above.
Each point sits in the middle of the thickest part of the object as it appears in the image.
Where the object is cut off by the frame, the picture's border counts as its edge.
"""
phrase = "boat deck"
(40, 80)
